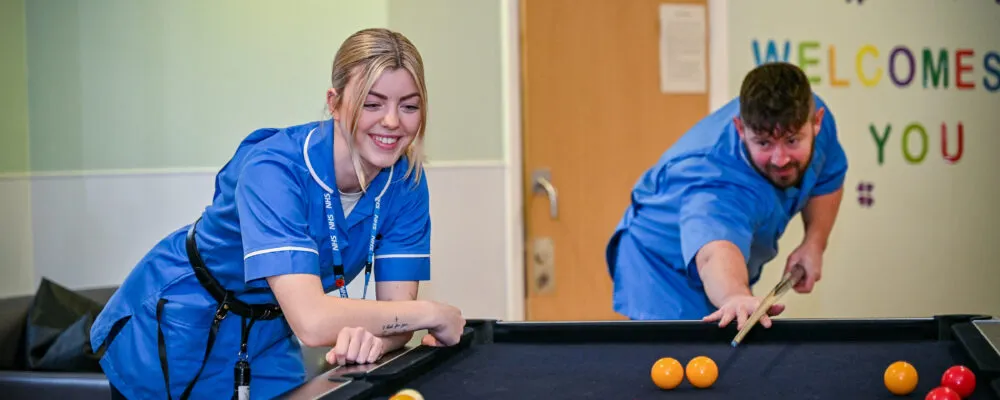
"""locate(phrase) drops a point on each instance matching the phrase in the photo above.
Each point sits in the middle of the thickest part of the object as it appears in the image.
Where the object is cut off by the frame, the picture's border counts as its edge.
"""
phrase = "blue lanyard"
(338, 262)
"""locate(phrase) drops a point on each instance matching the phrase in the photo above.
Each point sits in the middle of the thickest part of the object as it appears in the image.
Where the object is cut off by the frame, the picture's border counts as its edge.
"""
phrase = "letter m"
(938, 73)
(772, 51)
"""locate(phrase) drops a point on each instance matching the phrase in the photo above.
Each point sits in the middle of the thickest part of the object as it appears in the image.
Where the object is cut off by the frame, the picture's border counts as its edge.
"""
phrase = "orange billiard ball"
(901, 378)
(407, 394)
(667, 373)
(702, 372)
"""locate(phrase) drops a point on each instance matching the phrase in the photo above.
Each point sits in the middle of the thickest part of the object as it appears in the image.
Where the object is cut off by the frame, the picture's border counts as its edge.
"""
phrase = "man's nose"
(780, 157)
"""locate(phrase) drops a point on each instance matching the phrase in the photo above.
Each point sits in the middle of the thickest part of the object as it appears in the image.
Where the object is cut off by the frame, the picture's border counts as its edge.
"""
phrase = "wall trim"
(465, 164)
(511, 91)
(108, 172)
(7, 176)
(14, 176)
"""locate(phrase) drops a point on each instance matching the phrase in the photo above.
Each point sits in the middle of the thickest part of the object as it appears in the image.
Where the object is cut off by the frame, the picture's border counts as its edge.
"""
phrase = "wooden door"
(594, 119)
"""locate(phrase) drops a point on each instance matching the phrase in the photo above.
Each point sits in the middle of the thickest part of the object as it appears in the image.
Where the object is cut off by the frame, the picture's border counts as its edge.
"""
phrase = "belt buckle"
(223, 310)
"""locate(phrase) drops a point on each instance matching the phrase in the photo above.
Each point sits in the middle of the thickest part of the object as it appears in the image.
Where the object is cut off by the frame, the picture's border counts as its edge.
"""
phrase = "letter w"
(772, 51)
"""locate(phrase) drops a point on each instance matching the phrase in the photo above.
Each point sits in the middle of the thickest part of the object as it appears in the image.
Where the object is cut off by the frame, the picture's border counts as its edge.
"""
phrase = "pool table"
(794, 359)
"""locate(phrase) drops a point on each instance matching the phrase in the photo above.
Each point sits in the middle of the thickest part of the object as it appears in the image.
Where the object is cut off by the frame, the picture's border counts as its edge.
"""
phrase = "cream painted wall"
(929, 243)
(16, 250)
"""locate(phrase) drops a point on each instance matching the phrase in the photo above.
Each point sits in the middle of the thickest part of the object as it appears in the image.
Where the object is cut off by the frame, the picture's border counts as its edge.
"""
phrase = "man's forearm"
(819, 216)
(722, 272)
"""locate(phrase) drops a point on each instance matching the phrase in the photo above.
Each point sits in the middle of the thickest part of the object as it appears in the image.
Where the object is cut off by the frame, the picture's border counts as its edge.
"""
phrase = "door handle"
(542, 183)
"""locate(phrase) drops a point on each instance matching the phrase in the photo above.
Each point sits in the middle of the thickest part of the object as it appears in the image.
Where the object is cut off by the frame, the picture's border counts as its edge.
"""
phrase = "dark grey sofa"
(16, 383)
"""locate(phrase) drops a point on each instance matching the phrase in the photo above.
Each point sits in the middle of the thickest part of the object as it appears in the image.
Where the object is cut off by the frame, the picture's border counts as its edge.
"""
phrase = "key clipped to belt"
(241, 374)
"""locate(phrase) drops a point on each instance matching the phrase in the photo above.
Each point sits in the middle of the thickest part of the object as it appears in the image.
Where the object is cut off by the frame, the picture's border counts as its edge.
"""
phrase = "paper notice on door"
(683, 48)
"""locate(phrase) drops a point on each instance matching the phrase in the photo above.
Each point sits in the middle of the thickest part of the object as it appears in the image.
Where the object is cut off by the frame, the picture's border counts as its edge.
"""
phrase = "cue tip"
(733, 343)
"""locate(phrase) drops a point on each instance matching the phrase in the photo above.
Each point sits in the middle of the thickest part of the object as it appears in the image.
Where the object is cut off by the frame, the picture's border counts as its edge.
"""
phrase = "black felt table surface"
(751, 371)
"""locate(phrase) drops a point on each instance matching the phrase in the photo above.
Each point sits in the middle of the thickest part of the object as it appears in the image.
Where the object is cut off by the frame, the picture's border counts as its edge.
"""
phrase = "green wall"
(13, 85)
(460, 42)
(119, 85)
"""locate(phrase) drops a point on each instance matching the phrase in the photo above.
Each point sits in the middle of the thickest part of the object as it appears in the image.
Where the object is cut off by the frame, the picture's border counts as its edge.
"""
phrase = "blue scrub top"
(267, 218)
(704, 188)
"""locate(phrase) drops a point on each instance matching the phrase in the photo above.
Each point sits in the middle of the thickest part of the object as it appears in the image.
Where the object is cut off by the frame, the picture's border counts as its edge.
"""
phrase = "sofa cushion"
(57, 333)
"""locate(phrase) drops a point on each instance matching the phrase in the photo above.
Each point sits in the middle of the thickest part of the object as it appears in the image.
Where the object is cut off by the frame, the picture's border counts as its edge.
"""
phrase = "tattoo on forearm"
(394, 327)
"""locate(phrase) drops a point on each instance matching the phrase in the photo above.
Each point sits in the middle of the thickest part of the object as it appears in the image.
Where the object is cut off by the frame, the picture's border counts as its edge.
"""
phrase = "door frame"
(510, 27)
(510, 56)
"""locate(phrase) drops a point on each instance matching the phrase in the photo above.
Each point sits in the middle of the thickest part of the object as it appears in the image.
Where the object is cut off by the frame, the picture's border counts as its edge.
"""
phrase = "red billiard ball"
(960, 379)
(942, 393)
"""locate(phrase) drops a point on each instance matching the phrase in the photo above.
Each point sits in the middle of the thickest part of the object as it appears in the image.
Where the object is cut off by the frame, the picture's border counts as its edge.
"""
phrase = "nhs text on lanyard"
(338, 262)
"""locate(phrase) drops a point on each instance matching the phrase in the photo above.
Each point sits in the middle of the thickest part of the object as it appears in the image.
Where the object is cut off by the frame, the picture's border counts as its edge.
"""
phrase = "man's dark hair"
(775, 99)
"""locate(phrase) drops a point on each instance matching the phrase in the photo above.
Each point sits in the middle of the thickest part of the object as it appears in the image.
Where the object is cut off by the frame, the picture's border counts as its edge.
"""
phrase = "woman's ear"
(332, 98)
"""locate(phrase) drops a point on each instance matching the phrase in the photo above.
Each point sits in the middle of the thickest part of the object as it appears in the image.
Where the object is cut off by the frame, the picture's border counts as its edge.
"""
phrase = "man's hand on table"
(739, 308)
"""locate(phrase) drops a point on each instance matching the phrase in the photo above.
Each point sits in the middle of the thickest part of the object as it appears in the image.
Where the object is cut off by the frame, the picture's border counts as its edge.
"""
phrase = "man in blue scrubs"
(218, 307)
(706, 218)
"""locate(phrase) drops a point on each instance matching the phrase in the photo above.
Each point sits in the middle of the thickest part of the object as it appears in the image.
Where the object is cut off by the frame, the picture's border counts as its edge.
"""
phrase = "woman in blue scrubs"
(219, 306)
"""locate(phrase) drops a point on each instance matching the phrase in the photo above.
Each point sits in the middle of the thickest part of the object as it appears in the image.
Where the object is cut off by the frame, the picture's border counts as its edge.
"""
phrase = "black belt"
(227, 303)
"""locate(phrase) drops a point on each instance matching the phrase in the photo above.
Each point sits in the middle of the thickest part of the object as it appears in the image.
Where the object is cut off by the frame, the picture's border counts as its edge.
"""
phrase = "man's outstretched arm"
(723, 272)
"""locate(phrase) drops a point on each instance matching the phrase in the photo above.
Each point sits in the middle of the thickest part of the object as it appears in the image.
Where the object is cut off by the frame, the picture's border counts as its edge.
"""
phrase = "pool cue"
(791, 277)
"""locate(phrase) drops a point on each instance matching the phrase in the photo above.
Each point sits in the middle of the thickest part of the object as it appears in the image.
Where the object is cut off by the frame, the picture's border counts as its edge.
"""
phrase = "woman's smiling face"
(388, 120)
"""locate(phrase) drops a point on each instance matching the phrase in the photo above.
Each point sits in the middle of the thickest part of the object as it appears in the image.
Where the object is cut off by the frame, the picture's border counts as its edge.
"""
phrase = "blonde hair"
(369, 52)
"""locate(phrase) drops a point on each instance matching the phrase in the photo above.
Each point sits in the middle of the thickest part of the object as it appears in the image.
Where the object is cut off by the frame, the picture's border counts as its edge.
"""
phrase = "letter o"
(912, 65)
(910, 158)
